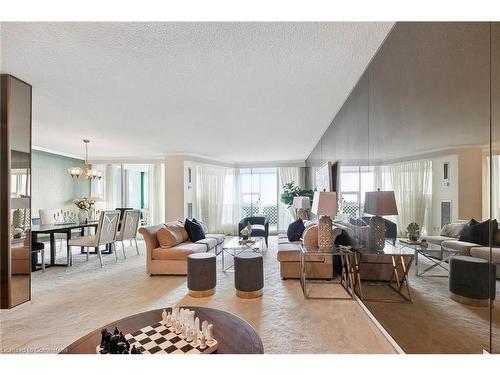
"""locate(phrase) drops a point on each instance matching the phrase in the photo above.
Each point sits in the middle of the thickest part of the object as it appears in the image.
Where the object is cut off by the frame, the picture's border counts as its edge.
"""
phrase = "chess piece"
(121, 347)
(210, 335)
(189, 335)
(204, 326)
(197, 324)
(103, 337)
(164, 316)
(113, 344)
(168, 321)
(178, 328)
(116, 332)
(203, 343)
(134, 350)
(191, 319)
(183, 331)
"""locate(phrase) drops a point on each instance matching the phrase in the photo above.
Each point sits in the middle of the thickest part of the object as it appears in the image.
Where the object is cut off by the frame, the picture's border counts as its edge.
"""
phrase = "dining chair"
(48, 216)
(128, 230)
(104, 234)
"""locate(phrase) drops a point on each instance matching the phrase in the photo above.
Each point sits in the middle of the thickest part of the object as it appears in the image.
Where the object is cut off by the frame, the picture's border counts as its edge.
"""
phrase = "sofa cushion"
(479, 233)
(483, 252)
(167, 239)
(210, 243)
(436, 240)
(258, 227)
(295, 230)
(290, 252)
(194, 230)
(177, 228)
(461, 246)
(218, 237)
(191, 246)
(171, 254)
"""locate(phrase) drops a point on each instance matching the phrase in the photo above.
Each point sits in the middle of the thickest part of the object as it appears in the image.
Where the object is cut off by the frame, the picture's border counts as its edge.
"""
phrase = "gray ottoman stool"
(470, 281)
(248, 275)
(201, 274)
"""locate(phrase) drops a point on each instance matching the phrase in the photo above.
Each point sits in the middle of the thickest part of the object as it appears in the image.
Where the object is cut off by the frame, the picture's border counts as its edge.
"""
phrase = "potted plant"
(413, 231)
(290, 190)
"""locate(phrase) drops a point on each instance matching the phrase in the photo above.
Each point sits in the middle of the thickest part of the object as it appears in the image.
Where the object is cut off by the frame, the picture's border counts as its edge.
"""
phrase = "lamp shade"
(380, 203)
(301, 202)
(324, 203)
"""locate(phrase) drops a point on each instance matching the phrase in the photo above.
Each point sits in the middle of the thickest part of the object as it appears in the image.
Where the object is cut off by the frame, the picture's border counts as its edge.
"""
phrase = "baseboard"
(386, 334)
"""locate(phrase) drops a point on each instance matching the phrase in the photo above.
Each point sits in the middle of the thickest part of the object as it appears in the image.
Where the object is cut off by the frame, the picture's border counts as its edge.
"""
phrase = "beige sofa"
(168, 254)
(318, 267)
(448, 239)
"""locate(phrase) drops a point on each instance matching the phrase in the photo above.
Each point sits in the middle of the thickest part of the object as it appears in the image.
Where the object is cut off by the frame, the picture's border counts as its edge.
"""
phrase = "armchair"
(259, 224)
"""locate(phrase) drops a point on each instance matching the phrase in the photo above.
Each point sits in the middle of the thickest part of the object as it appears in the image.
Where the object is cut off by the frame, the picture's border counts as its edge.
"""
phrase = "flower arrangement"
(84, 203)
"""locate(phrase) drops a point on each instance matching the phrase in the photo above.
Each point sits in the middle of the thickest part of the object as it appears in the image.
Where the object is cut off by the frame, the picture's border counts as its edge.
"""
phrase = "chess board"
(160, 339)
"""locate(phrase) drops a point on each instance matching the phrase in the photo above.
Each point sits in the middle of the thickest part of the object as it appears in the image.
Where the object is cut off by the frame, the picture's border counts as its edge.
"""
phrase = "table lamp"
(379, 203)
(301, 204)
(325, 205)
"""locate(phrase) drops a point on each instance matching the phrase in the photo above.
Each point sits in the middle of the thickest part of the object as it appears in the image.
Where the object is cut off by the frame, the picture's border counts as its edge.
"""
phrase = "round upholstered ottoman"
(248, 275)
(201, 274)
(470, 280)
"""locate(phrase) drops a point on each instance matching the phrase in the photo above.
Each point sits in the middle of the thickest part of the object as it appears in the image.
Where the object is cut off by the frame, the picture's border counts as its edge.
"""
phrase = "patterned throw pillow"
(453, 229)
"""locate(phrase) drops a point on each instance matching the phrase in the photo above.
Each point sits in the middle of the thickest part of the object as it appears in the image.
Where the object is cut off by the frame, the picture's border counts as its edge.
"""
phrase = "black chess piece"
(116, 332)
(121, 347)
(113, 344)
(123, 339)
(133, 350)
(103, 337)
(107, 339)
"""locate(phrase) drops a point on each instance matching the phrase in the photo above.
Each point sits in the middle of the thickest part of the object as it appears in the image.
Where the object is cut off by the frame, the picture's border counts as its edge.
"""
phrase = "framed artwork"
(324, 180)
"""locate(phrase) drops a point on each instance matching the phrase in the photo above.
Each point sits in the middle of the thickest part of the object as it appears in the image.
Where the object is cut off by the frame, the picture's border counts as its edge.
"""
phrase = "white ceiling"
(233, 91)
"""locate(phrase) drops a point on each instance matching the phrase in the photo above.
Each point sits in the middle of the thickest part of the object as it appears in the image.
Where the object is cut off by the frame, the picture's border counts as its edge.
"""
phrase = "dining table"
(64, 228)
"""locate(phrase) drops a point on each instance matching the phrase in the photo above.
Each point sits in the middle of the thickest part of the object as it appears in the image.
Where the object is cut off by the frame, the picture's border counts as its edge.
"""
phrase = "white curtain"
(412, 185)
(156, 193)
(286, 175)
(231, 210)
(495, 187)
(210, 185)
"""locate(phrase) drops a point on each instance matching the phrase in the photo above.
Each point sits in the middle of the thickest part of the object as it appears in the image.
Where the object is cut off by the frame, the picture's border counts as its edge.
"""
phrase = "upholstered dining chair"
(128, 229)
(104, 234)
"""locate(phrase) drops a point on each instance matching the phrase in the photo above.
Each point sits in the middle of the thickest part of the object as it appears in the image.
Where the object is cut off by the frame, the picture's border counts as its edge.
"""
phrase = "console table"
(234, 335)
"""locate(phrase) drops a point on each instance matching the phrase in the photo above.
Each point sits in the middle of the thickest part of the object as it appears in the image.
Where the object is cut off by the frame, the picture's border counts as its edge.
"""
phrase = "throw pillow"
(479, 233)
(453, 229)
(205, 229)
(295, 230)
(166, 238)
(195, 231)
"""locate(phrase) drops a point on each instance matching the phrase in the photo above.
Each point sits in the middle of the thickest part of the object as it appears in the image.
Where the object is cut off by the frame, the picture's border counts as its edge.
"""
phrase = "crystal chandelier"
(86, 173)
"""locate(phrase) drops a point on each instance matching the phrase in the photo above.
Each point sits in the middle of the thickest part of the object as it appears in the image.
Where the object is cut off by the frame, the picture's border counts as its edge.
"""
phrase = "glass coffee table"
(237, 246)
(435, 254)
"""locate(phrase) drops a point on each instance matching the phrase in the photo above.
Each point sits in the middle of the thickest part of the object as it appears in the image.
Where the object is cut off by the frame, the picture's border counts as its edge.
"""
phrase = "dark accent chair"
(255, 222)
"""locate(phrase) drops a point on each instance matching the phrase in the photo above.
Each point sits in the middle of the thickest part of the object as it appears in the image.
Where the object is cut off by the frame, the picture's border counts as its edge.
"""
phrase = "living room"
(348, 183)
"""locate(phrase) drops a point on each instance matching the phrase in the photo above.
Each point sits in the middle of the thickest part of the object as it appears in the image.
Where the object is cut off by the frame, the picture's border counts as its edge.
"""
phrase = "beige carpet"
(67, 303)
(434, 323)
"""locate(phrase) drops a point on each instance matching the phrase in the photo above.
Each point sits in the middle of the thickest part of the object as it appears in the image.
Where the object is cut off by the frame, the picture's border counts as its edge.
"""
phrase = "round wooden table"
(234, 335)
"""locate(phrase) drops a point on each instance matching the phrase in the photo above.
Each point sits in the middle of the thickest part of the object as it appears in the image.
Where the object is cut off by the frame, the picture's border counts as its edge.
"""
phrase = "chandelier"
(86, 172)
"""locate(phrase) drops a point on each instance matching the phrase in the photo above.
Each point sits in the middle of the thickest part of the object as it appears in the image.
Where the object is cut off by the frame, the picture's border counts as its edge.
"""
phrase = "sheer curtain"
(210, 185)
(231, 210)
(412, 185)
(156, 193)
(286, 175)
(495, 187)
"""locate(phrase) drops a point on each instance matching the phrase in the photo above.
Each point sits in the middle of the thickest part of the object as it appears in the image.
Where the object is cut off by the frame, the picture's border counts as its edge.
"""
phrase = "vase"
(83, 215)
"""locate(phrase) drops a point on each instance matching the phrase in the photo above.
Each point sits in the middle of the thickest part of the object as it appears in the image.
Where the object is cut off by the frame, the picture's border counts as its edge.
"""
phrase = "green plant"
(290, 190)
(413, 229)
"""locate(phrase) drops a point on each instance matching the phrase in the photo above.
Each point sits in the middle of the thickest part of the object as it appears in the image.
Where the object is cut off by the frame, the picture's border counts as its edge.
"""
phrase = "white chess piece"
(169, 320)
(210, 333)
(164, 316)
(189, 335)
(191, 319)
(204, 326)
(184, 331)
(197, 324)
(203, 344)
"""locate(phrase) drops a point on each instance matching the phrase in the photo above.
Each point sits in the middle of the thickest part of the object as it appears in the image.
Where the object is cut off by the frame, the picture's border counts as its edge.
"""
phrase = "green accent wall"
(52, 187)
